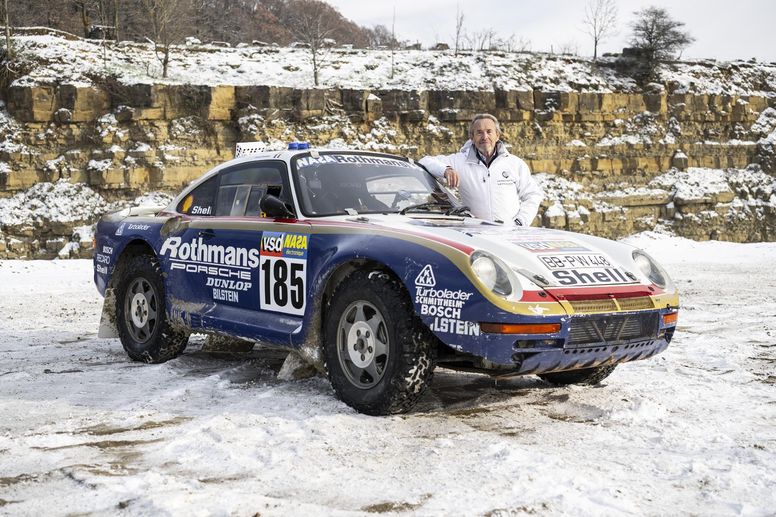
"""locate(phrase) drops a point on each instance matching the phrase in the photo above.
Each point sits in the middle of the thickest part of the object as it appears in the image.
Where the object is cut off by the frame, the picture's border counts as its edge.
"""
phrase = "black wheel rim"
(362, 344)
(140, 310)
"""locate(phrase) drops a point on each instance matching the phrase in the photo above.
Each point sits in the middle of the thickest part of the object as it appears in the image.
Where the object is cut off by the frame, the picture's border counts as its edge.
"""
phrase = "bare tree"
(312, 25)
(233, 21)
(116, 19)
(510, 44)
(481, 40)
(379, 36)
(84, 9)
(6, 20)
(168, 20)
(393, 39)
(600, 21)
(569, 48)
(658, 37)
(458, 28)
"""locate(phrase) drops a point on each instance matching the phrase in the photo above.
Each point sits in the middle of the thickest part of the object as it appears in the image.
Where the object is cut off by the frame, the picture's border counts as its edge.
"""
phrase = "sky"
(723, 29)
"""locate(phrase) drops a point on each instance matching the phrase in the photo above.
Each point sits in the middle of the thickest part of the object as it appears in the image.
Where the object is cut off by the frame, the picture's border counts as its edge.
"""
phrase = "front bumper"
(578, 358)
(583, 341)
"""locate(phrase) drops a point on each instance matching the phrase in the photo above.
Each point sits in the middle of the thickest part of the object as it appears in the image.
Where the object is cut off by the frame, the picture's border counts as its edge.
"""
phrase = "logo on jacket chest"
(505, 178)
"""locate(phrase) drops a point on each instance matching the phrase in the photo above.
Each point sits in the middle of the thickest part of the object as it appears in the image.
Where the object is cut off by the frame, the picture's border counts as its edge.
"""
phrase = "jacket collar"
(472, 155)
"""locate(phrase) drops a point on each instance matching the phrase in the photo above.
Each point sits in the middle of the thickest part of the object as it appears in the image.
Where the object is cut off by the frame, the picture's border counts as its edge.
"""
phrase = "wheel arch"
(342, 271)
(133, 248)
(108, 327)
(312, 346)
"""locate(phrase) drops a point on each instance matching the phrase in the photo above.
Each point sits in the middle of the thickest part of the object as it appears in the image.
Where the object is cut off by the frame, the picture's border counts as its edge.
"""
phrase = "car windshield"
(350, 183)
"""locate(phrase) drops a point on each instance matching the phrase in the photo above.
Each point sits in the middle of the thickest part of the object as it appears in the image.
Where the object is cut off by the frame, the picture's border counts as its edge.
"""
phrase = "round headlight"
(496, 275)
(650, 268)
(485, 269)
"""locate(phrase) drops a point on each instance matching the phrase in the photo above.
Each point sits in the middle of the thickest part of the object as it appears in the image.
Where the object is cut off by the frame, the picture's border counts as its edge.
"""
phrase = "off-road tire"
(404, 372)
(140, 289)
(589, 376)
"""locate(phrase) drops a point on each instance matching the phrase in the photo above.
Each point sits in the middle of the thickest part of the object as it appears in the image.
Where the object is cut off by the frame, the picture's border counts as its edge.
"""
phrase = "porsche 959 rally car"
(369, 269)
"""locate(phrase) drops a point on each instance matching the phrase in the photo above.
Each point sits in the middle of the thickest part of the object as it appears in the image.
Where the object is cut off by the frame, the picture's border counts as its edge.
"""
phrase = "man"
(494, 184)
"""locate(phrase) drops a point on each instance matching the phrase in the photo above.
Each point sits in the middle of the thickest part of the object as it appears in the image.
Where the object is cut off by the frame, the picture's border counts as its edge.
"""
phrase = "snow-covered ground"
(84, 430)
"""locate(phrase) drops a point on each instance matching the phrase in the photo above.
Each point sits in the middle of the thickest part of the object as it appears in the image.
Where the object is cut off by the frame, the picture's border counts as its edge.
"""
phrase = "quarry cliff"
(692, 153)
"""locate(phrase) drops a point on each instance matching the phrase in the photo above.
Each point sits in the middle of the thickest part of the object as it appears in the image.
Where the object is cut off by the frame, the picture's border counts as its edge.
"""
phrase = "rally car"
(368, 268)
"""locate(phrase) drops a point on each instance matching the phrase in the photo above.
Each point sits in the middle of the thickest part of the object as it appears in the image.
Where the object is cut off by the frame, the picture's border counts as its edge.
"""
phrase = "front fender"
(442, 295)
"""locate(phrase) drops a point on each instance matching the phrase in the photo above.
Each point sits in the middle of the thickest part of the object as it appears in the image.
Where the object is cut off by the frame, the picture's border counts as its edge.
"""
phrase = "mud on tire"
(141, 314)
(379, 356)
(589, 376)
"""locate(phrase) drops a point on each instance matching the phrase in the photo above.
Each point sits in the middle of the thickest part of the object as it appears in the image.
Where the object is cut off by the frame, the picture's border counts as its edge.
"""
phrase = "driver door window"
(242, 187)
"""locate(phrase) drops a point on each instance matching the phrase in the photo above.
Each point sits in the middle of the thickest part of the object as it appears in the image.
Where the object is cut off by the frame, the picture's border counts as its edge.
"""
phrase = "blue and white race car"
(370, 270)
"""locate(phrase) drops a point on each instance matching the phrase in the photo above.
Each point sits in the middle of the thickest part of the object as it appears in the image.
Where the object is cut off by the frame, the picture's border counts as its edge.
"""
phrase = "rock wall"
(126, 139)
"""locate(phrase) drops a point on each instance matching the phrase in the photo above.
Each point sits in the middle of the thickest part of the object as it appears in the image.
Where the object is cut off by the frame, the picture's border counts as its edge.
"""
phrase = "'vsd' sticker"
(278, 244)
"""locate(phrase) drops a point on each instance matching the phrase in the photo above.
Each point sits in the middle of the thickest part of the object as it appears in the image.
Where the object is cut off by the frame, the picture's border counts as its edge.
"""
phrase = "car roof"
(283, 155)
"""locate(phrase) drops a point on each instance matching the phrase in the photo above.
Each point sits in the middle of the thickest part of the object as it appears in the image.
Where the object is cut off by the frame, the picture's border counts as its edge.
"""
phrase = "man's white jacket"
(503, 192)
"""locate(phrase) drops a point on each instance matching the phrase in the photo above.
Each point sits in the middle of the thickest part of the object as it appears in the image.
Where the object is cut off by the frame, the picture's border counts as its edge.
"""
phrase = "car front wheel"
(379, 356)
(141, 317)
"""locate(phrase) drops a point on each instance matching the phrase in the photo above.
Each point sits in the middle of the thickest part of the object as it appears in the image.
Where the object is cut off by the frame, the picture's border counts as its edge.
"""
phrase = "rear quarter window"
(201, 200)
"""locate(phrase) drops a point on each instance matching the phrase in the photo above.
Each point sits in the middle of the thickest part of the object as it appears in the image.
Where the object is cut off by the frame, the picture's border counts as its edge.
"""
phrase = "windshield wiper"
(460, 210)
(421, 206)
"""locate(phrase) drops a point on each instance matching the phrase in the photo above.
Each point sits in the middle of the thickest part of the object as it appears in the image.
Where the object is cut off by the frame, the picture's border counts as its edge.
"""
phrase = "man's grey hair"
(481, 116)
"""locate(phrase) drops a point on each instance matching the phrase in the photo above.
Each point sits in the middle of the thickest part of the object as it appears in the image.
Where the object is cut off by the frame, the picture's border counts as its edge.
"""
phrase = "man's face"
(485, 136)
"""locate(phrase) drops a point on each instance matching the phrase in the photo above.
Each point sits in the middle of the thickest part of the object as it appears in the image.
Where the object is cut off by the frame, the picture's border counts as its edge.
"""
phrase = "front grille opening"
(608, 328)
(636, 304)
(587, 306)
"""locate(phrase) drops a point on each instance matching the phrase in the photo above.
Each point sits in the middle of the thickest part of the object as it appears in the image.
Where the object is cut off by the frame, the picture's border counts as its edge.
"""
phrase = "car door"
(257, 266)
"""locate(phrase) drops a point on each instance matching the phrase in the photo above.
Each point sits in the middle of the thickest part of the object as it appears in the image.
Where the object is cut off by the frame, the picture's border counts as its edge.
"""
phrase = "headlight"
(651, 269)
(496, 276)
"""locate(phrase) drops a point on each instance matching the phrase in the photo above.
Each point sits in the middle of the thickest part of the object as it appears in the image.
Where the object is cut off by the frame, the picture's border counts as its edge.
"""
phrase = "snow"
(82, 62)
(694, 183)
(63, 202)
(765, 123)
(766, 126)
(85, 430)
(46, 202)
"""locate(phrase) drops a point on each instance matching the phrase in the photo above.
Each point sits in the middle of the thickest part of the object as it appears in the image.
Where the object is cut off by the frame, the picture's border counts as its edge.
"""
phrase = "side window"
(243, 186)
(201, 200)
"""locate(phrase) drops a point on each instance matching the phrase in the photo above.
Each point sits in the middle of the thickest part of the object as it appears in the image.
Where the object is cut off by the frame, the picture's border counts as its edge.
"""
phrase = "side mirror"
(274, 207)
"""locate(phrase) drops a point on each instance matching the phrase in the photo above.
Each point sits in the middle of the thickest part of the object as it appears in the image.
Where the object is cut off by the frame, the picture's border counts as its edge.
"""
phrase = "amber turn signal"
(520, 328)
(670, 318)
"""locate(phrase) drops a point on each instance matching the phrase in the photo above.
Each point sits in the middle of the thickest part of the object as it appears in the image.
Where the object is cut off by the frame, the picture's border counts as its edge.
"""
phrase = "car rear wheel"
(589, 376)
(379, 356)
(141, 316)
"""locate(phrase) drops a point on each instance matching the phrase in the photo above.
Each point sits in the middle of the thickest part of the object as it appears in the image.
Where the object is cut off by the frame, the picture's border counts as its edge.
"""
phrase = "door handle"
(207, 234)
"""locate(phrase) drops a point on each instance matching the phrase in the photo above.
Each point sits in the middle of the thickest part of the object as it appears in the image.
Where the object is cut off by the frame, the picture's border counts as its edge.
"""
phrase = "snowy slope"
(689, 432)
(53, 60)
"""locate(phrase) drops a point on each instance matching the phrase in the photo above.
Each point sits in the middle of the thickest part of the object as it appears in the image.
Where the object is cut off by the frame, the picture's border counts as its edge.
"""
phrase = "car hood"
(537, 253)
